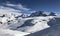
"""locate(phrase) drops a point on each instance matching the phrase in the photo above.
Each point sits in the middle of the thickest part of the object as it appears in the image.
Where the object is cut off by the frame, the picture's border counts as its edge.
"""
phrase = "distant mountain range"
(42, 13)
(32, 24)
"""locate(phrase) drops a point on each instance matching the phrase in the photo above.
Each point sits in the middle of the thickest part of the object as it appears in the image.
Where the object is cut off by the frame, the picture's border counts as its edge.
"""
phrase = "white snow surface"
(39, 24)
(10, 19)
(7, 32)
(10, 28)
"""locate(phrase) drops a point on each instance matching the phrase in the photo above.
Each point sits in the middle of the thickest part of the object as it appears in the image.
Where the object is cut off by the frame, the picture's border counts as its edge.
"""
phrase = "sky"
(29, 6)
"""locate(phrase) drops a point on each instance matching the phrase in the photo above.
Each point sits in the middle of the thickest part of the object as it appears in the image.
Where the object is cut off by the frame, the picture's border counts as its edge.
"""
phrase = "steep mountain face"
(42, 13)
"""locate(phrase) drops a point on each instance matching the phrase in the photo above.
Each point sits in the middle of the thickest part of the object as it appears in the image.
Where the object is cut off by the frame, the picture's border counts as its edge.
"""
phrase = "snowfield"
(14, 24)
(39, 23)
(7, 32)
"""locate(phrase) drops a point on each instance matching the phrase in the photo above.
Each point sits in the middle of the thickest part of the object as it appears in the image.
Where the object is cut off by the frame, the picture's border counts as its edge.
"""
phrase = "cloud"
(12, 8)
(8, 7)
(19, 6)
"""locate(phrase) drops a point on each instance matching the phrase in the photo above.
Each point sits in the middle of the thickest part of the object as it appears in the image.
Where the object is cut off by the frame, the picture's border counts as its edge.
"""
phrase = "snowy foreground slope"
(13, 24)
(7, 32)
(54, 30)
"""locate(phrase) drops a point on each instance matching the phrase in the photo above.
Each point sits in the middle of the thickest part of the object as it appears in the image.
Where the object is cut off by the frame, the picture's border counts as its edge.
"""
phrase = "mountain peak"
(43, 13)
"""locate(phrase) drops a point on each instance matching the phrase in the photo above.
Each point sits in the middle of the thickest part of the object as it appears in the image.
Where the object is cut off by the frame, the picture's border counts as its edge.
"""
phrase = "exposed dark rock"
(18, 16)
(2, 16)
(0, 22)
(52, 14)
(27, 23)
(39, 13)
(42, 13)
(54, 22)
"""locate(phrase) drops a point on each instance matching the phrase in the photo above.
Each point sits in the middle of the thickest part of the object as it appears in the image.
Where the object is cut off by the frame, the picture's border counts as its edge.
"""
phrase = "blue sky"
(44, 5)
(29, 6)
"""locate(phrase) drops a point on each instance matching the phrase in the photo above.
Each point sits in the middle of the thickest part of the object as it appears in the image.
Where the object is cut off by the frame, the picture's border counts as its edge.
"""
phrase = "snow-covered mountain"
(9, 20)
(54, 30)
(42, 13)
(18, 24)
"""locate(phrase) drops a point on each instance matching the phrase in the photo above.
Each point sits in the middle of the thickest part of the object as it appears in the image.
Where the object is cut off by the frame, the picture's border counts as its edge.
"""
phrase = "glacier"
(19, 24)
